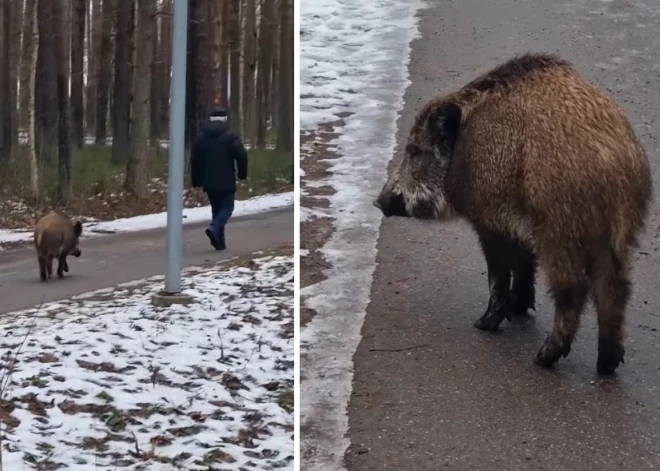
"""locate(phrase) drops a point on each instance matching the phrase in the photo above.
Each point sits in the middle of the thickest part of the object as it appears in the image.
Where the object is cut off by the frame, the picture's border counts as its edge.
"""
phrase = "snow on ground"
(354, 56)
(106, 381)
(254, 205)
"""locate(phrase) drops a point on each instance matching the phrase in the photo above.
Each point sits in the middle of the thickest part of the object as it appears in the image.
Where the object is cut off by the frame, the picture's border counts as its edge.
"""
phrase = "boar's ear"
(444, 122)
(77, 228)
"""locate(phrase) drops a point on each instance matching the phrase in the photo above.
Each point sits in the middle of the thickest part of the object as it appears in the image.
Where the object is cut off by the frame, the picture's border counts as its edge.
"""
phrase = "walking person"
(217, 156)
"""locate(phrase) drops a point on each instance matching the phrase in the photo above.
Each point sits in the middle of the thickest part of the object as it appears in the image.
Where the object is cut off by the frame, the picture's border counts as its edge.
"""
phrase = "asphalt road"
(109, 260)
(430, 391)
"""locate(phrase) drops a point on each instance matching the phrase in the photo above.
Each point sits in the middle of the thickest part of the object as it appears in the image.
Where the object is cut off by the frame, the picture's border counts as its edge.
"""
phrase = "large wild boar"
(547, 170)
(56, 237)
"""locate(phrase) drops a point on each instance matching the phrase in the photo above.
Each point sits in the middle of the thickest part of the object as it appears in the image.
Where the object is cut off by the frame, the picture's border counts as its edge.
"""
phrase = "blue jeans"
(222, 207)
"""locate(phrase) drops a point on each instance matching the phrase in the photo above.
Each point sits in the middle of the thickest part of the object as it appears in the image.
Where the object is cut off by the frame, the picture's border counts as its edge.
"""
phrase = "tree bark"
(166, 54)
(46, 103)
(275, 64)
(31, 37)
(137, 156)
(16, 19)
(235, 66)
(63, 123)
(264, 72)
(122, 87)
(5, 82)
(285, 106)
(215, 40)
(249, 66)
(95, 29)
(224, 53)
(77, 79)
(27, 48)
(102, 71)
(156, 76)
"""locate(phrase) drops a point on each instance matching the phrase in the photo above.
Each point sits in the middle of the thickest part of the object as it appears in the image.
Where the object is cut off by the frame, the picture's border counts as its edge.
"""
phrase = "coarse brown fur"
(548, 170)
(56, 237)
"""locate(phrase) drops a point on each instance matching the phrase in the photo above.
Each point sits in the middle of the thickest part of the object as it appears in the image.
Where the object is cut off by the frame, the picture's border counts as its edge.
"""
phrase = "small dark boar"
(547, 170)
(56, 236)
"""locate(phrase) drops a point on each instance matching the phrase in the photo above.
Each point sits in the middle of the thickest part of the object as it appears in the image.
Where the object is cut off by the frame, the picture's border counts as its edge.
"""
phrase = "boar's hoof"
(610, 355)
(552, 350)
(493, 317)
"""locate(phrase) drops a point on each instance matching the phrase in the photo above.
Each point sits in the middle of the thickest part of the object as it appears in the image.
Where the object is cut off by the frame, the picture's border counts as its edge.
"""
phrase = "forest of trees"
(75, 73)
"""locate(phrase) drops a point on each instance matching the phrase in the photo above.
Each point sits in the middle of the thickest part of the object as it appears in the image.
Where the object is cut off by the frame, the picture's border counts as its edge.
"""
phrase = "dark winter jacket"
(217, 154)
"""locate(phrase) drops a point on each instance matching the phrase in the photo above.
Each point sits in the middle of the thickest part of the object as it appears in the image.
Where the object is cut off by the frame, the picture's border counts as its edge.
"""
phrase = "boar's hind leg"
(62, 266)
(611, 290)
(569, 288)
(524, 274)
(43, 271)
(49, 265)
(499, 257)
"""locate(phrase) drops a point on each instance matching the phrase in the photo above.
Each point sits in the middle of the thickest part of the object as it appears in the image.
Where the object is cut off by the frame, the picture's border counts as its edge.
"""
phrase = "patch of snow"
(253, 205)
(354, 57)
(107, 381)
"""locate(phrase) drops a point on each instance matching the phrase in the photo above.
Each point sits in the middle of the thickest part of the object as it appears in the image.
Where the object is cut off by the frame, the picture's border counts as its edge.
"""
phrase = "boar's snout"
(391, 204)
(77, 252)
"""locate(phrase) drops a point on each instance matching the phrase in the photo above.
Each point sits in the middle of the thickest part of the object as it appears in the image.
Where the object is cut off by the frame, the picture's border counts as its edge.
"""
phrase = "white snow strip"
(354, 57)
(257, 204)
(107, 381)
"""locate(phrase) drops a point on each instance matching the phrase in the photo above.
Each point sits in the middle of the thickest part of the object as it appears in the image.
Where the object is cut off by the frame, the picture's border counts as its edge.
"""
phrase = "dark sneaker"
(214, 241)
(221, 244)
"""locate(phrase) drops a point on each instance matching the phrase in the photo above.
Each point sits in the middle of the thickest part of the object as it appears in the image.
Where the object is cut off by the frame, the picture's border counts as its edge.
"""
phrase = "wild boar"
(56, 237)
(548, 171)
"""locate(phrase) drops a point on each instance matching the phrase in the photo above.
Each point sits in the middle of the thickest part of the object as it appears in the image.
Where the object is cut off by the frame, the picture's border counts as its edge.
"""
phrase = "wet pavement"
(113, 259)
(430, 391)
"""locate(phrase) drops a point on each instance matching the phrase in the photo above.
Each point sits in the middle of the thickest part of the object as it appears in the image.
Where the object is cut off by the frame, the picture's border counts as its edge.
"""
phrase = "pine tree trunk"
(63, 124)
(156, 77)
(16, 19)
(27, 48)
(95, 29)
(31, 37)
(249, 66)
(137, 156)
(46, 102)
(191, 68)
(102, 70)
(285, 105)
(215, 40)
(224, 53)
(77, 79)
(166, 54)
(5, 81)
(235, 66)
(275, 64)
(264, 72)
(122, 86)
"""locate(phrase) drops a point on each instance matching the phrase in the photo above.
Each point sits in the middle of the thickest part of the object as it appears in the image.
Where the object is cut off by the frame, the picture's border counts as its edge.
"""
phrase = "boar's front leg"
(498, 253)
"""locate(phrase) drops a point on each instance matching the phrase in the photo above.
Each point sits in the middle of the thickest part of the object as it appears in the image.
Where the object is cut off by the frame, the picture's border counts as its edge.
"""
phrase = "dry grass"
(97, 186)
